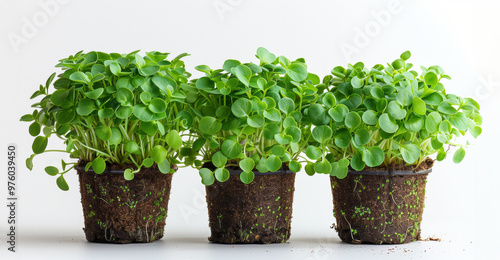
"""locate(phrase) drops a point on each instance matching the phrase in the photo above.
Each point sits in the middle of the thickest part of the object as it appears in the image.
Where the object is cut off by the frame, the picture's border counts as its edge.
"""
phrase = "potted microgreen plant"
(248, 133)
(120, 116)
(385, 123)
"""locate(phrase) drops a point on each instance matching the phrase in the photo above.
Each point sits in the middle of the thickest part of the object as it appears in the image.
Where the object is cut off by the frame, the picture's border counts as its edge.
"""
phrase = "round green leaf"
(256, 121)
(273, 163)
(297, 72)
(387, 124)
(294, 166)
(207, 176)
(159, 153)
(209, 125)
(343, 138)
(373, 156)
(105, 113)
(173, 139)
(143, 113)
(318, 115)
(128, 175)
(265, 56)
(357, 162)
(272, 114)
(286, 105)
(410, 153)
(395, 110)
(65, 116)
(59, 96)
(205, 83)
(414, 124)
(124, 96)
(145, 98)
(243, 73)
(116, 136)
(432, 121)
(405, 55)
(294, 132)
(404, 97)
(242, 107)
(446, 108)
(132, 147)
(94, 94)
(322, 133)
(352, 120)
(79, 77)
(445, 126)
(247, 177)
(398, 64)
(344, 162)
(34, 129)
(103, 132)
(329, 100)
(231, 149)
(39, 144)
(164, 167)
(370, 117)
(431, 79)
(313, 152)
(377, 92)
(339, 171)
(85, 107)
(361, 136)
(323, 167)
(157, 105)
(356, 83)
(51, 170)
(98, 165)
(222, 174)
(61, 183)
(419, 106)
(223, 112)
(124, 112)
(229, 64)
(338, 113)
(247, 164)
(459, 155)
(219, 160)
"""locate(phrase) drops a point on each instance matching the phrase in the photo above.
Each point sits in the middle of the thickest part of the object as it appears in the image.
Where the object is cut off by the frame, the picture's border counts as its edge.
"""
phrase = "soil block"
(381, 205)
(121, 211)
(255, 213)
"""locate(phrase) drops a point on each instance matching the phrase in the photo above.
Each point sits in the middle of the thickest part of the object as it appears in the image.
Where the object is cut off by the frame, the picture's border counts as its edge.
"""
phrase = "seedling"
(112, 109)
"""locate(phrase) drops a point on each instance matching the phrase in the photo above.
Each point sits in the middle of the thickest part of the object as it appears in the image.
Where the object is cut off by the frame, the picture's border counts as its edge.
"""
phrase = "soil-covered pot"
(381, 205)
(258, 213)
(121, 211)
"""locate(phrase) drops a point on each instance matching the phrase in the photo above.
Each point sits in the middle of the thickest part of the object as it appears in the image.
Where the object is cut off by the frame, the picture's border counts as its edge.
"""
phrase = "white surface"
(461, 36)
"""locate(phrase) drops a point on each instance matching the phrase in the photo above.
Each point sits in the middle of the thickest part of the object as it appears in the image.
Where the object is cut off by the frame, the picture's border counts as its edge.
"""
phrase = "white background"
(461, 36)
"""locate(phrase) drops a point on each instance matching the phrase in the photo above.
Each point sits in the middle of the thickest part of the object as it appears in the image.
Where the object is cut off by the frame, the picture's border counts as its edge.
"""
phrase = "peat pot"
(255, 213)
(379, 206)
(120, 211)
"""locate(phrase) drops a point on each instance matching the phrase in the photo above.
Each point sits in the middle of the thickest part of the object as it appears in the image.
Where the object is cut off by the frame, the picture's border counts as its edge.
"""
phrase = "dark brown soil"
(426, 164)
(121, 211)
(259, 212)
(380, 209)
